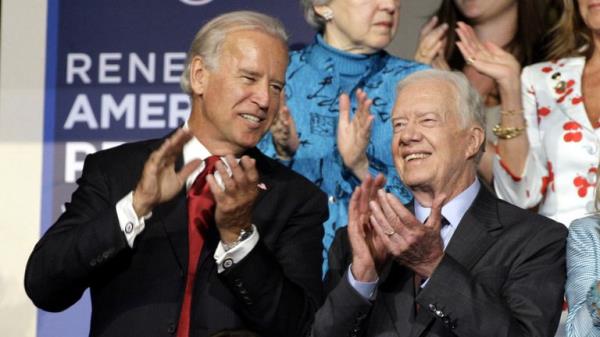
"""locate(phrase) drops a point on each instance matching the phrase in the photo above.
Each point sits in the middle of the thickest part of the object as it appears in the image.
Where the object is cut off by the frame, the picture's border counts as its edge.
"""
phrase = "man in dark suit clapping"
(459, 261)
(198, 232)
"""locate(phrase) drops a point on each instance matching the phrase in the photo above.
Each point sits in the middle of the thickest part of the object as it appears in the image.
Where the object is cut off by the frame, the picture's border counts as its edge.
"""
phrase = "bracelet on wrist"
(508, 132)
(511, 112)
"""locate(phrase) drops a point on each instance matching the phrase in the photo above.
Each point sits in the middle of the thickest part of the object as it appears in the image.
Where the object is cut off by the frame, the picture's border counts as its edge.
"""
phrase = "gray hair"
(314, 19)
(209, 39)
(468, 103)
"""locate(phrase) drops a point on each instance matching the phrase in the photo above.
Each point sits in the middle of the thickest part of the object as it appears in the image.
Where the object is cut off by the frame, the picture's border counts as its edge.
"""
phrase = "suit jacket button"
(171, 329)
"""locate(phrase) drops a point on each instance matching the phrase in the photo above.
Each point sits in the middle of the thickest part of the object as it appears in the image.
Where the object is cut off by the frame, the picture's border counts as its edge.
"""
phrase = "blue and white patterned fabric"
(583, 271)
(316, 76)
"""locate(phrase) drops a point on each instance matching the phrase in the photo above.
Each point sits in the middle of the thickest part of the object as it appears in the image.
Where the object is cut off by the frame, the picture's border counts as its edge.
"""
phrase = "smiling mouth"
(384, 24)
(251, 118)
(414, 156)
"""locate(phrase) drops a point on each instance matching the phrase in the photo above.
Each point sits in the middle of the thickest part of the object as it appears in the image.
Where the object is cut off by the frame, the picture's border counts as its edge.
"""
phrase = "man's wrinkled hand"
(235, 200)
(414, 244)
(160, 182)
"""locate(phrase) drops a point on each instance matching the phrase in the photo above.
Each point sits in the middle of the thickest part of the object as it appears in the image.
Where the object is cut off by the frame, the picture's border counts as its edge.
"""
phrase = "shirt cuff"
(366, 289)
(226, 259)
(129, 222)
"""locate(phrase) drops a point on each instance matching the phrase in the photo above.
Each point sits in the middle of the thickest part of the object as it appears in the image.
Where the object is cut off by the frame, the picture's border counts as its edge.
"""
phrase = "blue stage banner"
(112, 76)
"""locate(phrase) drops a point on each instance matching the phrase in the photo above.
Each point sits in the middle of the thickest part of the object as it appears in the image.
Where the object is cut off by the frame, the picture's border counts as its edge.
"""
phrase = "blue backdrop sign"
(112, 75)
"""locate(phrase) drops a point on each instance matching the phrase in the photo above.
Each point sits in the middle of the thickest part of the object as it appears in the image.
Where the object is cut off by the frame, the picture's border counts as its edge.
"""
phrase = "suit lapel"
(265, 181)
(468, 244)
(397, 293)
(472, 237)
(173, 216)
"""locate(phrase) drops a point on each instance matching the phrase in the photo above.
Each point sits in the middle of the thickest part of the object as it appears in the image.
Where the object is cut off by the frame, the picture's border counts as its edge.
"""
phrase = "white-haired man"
(197, 233)
(461, 262)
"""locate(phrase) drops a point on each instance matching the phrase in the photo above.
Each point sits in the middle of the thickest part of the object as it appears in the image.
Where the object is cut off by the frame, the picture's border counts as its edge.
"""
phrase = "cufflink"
(228, 263)
(129, 228)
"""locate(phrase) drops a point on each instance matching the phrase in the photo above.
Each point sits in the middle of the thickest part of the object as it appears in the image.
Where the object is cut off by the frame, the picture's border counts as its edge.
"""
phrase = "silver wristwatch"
(244, 234)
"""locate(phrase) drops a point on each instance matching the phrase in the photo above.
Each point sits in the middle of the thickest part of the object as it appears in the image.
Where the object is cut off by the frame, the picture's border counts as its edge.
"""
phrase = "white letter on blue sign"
(78, 64)
(81, 112)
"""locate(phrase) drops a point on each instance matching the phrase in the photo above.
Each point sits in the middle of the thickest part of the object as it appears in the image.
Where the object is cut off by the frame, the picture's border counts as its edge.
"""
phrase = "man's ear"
(475, 140)
(198, 75)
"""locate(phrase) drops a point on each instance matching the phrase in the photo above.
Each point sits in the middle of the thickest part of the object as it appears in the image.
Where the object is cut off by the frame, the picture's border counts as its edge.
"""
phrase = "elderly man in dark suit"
(199, 232)
(459, 261)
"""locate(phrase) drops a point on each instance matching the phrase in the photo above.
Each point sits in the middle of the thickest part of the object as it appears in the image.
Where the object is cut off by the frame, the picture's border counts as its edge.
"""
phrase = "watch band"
(244, 234)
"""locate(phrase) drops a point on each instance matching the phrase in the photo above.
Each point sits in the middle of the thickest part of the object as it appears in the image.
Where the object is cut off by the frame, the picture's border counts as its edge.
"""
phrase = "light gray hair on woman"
(468, 101)
(209, 39)
(314, 19)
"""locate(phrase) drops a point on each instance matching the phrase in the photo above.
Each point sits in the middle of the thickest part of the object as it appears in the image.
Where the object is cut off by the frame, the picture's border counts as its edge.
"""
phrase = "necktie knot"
(200, 181)
(443, 221)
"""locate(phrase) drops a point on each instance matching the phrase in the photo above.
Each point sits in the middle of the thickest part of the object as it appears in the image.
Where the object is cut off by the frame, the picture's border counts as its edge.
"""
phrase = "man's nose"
(389, 5)
(410, 133)
(261, 95)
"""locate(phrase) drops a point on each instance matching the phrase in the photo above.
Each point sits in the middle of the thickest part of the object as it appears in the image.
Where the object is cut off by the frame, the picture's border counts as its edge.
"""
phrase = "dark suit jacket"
(502, 274)
(138, 291)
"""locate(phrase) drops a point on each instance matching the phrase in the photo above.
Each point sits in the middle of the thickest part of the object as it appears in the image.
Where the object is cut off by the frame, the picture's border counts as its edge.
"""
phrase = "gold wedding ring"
(390, 232)
(470, 60)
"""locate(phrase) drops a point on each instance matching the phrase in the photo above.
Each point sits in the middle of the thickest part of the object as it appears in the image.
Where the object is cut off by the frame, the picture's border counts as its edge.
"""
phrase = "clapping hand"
(416, 245)
(488, 58)
(368, 251)
(235, 199)
(432, 43)
(353, 134)
(283, 130)
(160, 182)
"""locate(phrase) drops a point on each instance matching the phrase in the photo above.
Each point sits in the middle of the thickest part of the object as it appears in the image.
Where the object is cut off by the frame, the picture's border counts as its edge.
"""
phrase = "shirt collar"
(455, 209)
(194, 149)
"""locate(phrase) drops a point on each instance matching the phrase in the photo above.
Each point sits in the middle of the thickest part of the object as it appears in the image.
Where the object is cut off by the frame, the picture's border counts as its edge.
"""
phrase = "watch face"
(244, 234)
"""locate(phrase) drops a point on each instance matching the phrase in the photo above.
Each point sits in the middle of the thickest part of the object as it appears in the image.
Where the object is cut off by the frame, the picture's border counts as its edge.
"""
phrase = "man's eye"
(276, 88)
(399, 125)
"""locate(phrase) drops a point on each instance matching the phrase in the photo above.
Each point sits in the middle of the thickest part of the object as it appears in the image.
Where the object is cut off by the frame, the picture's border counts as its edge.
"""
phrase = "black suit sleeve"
(76, 248)
(345, 311)
(280, 286)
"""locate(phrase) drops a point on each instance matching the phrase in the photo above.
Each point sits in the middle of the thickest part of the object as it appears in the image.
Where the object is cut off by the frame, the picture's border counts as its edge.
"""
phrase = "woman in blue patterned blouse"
(335, 128)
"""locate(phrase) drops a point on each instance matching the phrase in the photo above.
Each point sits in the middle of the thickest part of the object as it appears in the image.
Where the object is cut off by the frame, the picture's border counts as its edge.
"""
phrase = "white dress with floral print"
(560, 173)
